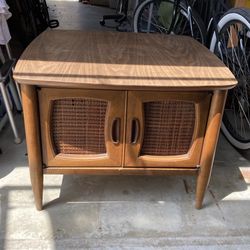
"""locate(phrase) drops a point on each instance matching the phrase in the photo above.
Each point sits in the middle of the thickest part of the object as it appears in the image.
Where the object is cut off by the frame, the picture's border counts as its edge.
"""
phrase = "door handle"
(135, 131)
(116, 130)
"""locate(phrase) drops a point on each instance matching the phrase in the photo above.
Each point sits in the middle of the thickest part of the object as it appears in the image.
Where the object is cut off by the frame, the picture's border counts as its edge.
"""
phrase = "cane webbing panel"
(78, 126)
(169, 127)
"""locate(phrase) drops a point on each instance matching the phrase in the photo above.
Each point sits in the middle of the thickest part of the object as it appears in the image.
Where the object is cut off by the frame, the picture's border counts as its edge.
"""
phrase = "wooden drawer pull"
(135, 131)
(115, 130)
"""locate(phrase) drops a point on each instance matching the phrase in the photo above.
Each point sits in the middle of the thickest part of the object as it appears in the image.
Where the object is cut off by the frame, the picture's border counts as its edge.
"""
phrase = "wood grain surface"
(121, 171)
(209, 145)
(120, 60)
(31, 121)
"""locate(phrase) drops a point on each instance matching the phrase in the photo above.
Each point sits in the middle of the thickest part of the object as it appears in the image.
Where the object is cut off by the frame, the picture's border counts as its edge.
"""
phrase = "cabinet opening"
(77, 126)
(168, 127)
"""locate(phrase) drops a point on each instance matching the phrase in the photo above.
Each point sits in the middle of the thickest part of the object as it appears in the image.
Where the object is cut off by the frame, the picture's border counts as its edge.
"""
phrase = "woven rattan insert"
(169, 127)
(78, 126)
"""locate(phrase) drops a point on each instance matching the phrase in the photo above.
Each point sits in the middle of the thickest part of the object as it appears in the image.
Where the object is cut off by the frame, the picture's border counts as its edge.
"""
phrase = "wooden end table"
(121, 103)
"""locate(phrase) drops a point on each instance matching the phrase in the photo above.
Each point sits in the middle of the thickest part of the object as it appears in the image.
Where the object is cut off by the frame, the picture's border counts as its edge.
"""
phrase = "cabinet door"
(81, 127)
(165, 129)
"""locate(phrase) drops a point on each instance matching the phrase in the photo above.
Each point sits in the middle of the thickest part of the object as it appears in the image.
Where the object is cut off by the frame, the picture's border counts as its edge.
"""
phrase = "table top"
(120, 60)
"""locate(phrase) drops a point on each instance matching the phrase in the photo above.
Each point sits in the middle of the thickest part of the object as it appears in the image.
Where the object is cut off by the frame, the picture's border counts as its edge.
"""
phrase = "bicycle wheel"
(232, 45)
(155, 16)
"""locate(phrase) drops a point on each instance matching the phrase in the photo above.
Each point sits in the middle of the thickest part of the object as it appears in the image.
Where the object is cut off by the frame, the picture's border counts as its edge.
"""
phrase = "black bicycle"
(227, 34)
(169, 17)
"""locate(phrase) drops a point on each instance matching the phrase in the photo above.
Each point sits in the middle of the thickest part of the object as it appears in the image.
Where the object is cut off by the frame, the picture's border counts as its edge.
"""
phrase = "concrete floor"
(121, 212)
(75, 15)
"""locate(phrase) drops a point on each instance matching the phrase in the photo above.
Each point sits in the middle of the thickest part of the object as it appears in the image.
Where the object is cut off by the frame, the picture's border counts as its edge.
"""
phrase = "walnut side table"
(121, 103)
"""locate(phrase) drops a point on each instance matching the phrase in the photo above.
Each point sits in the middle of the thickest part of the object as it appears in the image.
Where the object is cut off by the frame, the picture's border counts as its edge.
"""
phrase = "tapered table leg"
(31, 120)
(209, 145)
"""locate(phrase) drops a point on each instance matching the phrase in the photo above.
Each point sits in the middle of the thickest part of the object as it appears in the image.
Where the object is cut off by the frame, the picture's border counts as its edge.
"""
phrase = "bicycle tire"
(237, 16)
(183, 10)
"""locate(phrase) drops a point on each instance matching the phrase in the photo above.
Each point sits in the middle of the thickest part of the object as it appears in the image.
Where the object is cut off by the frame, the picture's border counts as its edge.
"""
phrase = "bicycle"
(230, 42)
(170, 17)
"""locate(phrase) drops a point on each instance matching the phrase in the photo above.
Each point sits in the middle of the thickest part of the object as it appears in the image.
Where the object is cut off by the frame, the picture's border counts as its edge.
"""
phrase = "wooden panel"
(120, 60)
(134, 149)
(121, 171)
(68, 146)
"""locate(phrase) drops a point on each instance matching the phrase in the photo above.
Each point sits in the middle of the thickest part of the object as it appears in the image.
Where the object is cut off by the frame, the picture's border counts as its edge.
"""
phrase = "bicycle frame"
(175, 12)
